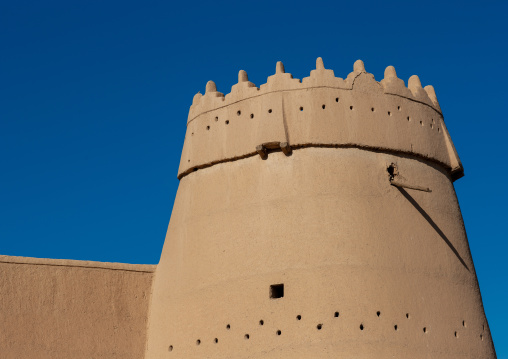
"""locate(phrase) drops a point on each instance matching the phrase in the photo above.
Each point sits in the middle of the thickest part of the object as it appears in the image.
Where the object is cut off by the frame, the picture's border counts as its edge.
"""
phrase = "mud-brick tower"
(317, 219)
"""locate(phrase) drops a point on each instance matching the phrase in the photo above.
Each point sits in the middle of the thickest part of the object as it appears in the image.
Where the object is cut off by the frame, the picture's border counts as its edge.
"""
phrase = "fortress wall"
(72, 309)
(327, 224)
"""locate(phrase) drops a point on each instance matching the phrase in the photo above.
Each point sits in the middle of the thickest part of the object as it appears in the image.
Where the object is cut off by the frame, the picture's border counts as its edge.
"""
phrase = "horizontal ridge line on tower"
(389, 151)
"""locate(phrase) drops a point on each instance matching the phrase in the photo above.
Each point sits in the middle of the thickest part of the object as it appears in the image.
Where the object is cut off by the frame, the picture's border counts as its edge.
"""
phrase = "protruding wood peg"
(286, 149)
(405, 185)
(261, 150)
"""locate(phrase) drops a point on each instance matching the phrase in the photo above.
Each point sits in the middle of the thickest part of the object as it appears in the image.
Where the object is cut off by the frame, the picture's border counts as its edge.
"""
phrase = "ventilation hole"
(239, 113)
(481, 337)
(170, 348)
(192, 134)
(188, 160)
(216, 118)
(251, 115)
(398, 108)
(395, 327)
(372, 109)
(279, 332)
(389, 113)
(246, 336)
(421, 123)
(378, 313)
(456, 335)
(361, 326)
(438, 129)
(323, 107)
(301, 108)
(407, 315)
(216, 340)
(432, 120)
(431, 125)
(298, 317)
(270, 111)
(319, 326)
(207, 127)
(276, 291)
(228, 326)
(350, 107)
(227, 122)
(464, 323)
(425, 329)
(261, 322)
(336, 99)
(408, 118)
(336, 314)
(198, 342)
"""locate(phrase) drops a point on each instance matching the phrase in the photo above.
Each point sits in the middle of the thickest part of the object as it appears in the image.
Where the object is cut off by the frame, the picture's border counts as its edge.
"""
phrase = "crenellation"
(415, 86)
(211, 99)
(196, 98)
(358, 111)
(393, 85)
(281, 81)
(321, 77)
(432, 95)
(242, 90)
(359, 66)
(365, 82)
(242, 76)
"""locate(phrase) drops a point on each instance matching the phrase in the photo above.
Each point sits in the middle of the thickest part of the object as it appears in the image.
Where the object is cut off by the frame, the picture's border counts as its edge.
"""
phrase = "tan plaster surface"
(327, 223)
(320, 110)
(72, 309)
(290, 184)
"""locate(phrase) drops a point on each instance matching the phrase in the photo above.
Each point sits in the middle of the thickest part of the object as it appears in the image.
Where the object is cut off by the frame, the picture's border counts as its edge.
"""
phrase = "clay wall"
(288, 240)
(369, 270)
(72, 309)
(320, 110)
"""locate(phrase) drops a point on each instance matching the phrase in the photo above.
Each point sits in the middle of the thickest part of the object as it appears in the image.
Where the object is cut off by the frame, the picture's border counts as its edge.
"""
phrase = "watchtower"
(317, 219)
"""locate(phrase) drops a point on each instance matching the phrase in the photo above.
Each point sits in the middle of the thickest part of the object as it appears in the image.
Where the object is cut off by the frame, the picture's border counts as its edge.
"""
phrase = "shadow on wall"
(433, 224)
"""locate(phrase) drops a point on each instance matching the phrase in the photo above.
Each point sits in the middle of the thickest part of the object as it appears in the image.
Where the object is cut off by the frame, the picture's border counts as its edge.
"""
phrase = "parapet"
(320, 111)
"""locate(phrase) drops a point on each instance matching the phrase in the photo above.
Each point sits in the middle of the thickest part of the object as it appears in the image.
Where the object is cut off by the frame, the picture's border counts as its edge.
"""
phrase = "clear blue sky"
(94, 98)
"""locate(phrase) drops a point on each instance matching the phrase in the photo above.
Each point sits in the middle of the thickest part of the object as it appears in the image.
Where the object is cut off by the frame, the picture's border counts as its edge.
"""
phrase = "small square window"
(276, 291)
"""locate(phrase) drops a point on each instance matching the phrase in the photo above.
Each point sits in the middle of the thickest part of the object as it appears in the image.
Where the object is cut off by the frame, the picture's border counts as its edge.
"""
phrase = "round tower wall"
(368, 269)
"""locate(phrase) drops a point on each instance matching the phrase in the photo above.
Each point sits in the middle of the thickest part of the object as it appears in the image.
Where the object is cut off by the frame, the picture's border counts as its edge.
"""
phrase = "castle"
(314, 219)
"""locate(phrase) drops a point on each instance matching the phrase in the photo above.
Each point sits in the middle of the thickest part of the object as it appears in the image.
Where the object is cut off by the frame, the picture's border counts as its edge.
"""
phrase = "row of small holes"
(261, 322)
(323, 107)
(279, 332)
(389, 114)
(320, 326)
(227, 121)
(337, 100)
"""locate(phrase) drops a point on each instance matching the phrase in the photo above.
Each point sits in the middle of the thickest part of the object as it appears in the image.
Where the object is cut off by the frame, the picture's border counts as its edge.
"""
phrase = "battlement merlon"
(321, 110)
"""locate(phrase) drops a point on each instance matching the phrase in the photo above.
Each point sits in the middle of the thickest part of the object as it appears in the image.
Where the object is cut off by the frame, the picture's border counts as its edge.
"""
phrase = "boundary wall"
(51, 308)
